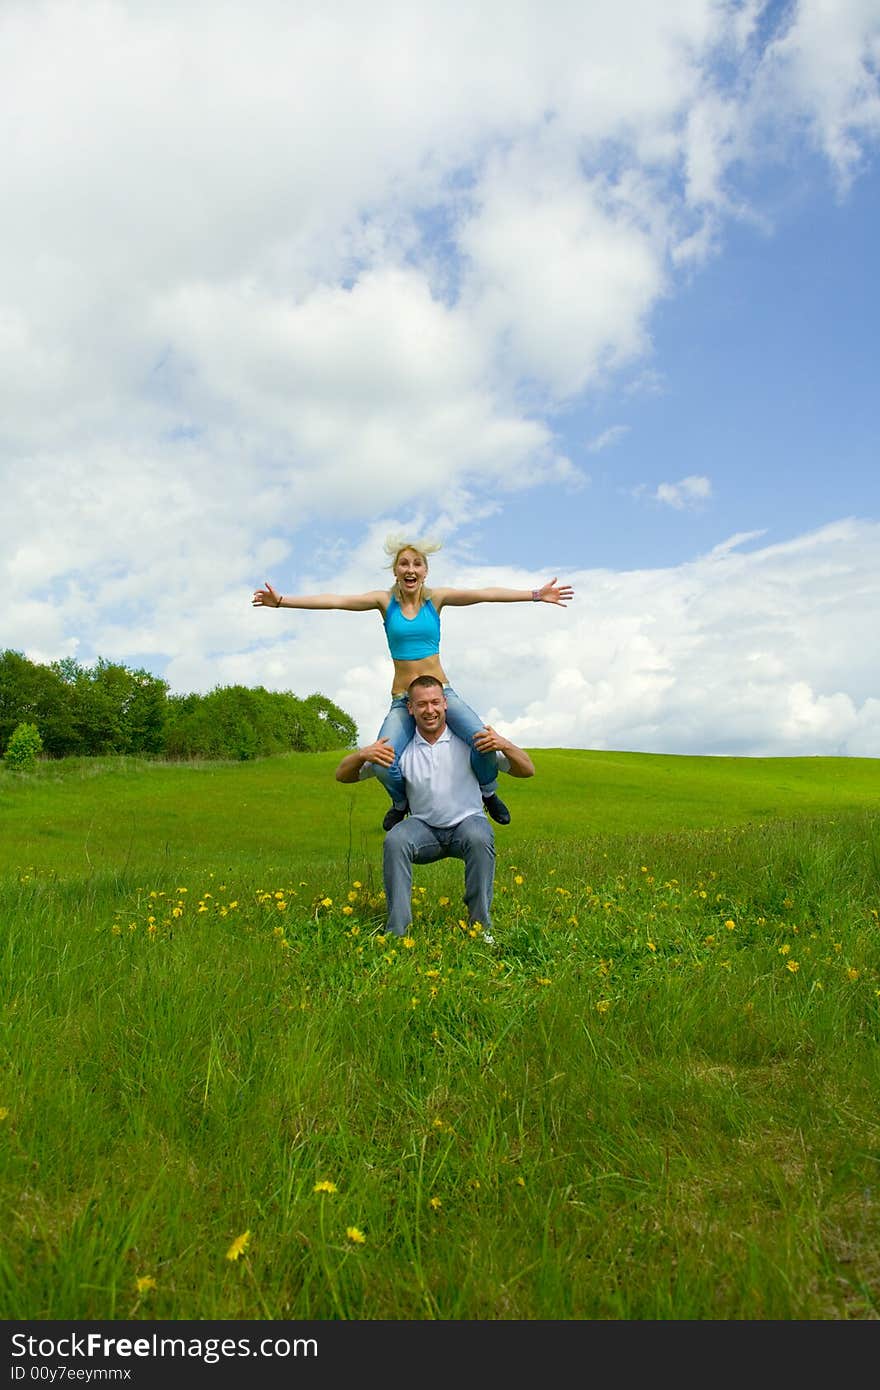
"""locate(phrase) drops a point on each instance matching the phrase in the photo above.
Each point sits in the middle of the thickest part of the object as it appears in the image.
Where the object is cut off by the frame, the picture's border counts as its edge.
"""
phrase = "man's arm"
(489, 741)
(381, 753)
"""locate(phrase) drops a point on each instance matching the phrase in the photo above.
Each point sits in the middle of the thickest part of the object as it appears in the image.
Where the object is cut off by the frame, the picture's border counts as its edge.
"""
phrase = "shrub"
(24, 747)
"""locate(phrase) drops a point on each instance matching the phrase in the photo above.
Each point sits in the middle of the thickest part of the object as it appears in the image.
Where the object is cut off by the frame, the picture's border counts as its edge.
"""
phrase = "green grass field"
(224, 1094)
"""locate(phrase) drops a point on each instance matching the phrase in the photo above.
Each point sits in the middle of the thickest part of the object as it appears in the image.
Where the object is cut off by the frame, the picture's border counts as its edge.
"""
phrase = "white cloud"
(737, 539)
(578, 310)
(823, 71)
(734, 653)
(687, 492)
(607, 438)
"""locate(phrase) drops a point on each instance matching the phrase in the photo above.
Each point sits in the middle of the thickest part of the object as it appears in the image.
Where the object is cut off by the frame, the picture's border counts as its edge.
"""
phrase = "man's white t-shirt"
(441, 787)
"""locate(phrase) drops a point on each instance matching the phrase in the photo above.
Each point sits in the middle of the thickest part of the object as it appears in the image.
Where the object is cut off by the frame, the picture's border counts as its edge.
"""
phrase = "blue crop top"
(410, 639)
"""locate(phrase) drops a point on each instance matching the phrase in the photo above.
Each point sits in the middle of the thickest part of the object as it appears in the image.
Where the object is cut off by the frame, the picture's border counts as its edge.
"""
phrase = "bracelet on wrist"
(536, 596)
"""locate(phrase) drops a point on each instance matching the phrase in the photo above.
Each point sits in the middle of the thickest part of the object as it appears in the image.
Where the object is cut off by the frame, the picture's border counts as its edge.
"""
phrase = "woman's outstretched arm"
(551, 592)
(267, 597)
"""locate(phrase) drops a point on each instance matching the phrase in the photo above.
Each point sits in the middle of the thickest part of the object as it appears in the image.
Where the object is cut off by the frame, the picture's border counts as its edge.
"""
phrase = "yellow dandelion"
(651, 946)
(356, 883)
(788, 902)
(238, 1246)
(347, 911)
(444, 902)
(4, 1112)
(730, 924)
(145, 1283)
(603, 1005)
(352, 897)
(518, 880)
(543, 980)
(355, 1236)
(408, 942)
(325, 1186)
(793, 966)
(435, 1203)
(326, 902)
(784, 950)
(852, 974)
(520, 1182)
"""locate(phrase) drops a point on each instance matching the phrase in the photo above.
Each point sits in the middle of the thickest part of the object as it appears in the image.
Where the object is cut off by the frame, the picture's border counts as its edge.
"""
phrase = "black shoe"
(395, 816)
(497, 809)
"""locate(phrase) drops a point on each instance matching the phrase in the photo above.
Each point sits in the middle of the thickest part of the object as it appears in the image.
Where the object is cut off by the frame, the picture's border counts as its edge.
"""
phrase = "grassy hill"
(224, 1093)
(79, 814)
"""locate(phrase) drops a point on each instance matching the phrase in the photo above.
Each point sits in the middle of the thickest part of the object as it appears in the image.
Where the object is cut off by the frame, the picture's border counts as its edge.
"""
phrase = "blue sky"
(767, 384)
(586, 291)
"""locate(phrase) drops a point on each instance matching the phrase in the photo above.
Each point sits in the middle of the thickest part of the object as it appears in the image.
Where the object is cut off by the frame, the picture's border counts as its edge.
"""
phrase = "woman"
(411, 615)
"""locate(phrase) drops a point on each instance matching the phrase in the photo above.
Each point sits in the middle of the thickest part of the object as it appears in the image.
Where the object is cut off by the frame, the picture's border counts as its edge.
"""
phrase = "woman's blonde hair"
(395, 544)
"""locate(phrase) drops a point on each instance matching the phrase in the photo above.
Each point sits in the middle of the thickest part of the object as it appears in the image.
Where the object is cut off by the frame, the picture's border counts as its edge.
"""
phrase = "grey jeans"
(413, 841)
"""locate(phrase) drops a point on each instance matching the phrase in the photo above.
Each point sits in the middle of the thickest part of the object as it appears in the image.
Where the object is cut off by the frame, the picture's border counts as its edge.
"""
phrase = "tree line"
(109, 708)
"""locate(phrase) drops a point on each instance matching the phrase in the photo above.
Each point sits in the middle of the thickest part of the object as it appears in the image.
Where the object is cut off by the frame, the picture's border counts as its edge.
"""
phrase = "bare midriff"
(406, 671)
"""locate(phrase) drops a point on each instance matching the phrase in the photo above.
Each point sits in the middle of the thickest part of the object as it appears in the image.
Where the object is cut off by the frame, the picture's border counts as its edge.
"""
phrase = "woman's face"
(410, 570)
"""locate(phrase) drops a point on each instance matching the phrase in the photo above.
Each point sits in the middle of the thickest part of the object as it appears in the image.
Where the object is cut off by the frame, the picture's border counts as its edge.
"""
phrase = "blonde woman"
(411, 617)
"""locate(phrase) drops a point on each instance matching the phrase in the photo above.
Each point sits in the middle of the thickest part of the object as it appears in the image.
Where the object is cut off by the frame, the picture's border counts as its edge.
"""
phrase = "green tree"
(237, 721)
(98, 697)
(145, 713)
(35, 694)
(24, 747)
(339, 729)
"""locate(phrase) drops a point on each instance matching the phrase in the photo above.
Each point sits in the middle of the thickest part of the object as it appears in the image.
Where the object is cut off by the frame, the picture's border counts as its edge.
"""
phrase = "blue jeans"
(414, 841)
(399, 727)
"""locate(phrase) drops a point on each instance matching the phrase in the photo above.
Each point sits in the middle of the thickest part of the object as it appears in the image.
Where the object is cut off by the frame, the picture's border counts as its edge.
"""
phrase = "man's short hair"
(426, 681)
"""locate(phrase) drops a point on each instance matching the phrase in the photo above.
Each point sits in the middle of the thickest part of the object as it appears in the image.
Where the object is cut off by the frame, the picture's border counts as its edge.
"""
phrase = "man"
(447, 818)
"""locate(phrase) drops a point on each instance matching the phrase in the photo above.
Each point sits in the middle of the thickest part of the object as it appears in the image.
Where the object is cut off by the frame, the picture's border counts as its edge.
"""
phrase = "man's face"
(428, 706)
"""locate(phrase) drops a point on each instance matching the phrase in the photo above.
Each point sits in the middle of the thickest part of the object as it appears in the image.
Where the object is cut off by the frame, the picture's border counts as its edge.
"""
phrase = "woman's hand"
(266, 598)
(551, 592)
